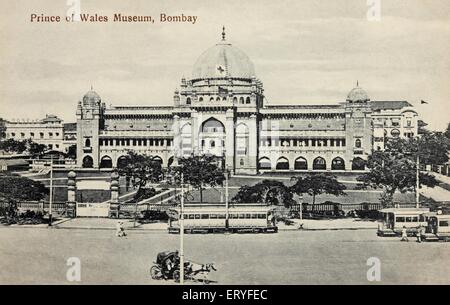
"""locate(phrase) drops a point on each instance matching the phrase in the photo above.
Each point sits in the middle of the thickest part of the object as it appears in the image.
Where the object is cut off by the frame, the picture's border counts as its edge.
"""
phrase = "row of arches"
(107, 162)
(240, 100)
(319, 163)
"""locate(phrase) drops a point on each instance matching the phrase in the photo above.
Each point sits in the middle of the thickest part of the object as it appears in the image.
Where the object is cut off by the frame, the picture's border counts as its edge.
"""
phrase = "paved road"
(327, 257)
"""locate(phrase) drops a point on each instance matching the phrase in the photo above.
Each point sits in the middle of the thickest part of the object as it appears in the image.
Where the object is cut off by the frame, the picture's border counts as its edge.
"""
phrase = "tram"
(394, 219)
(212, 218)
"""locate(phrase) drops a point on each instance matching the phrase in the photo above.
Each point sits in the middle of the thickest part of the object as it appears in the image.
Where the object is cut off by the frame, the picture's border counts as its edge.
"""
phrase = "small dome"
(114, 175)
(114, 183)
(221, 61)
(358, 94)
(71, 175)
(91, 98)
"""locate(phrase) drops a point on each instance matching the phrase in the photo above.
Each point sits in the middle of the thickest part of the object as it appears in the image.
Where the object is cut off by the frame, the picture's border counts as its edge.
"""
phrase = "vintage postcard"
(216, 142)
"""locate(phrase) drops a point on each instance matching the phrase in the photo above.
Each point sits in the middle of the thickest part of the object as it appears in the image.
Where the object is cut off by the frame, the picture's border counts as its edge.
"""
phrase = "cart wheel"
(155, 273)
(176, 276)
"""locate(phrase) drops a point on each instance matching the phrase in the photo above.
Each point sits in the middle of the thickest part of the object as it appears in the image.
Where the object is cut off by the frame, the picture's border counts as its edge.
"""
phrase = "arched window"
(213, 125)
(358, 164)
(200, 99)
(212, 143)
(211, 99)
(241, 100)
(337, 164)
(264, 163)
(87, 143)
(224, 99)
(300, 163)
(319, 163)
(106, 162)
(358, 143)
(247, 100)
(234, 100)
(122, 162)
(188, 101)
(88, 162)
(282, 163)
(218, 99)
(395, 133)
(241, 162)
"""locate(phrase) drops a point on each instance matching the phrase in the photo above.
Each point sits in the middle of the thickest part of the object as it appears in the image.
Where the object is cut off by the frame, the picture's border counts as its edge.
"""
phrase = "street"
(39, 256)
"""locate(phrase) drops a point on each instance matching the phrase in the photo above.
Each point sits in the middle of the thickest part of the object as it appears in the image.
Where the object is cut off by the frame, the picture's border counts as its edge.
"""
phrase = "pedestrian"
(120, 231)
(418, 234)
(404, 234)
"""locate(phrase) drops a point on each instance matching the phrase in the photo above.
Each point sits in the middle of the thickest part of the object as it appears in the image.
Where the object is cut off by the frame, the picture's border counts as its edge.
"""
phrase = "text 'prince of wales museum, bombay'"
(221, 111)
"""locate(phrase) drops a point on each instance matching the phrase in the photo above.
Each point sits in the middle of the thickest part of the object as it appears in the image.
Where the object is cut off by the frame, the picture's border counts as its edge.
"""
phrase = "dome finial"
(223, 33)
(357, 83)
(92, 87)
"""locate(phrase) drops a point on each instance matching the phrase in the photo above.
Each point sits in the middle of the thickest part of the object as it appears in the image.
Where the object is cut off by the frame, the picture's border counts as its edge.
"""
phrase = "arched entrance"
(88, 162)
(319, 163)
(300, 164)
(338, 164)
(212, 137)
(106, 162)
(283, 163)
(358, 164)
(264, 164)
(122, 162)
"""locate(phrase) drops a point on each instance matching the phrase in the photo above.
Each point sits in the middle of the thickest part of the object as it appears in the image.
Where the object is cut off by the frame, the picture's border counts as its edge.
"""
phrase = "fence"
(328, 207)
(57, 207)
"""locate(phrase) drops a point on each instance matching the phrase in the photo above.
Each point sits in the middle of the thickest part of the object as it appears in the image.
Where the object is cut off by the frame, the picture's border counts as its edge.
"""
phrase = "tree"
(2, 129)
(36, 149)
(270, 192)
(140, 170)
(11, 145)
(14, 188)
(317, 183)
(447, 132)
(200, 171)
(394, 169)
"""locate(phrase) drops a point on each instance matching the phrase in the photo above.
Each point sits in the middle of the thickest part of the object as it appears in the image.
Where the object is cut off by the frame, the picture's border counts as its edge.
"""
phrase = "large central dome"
(221, 61)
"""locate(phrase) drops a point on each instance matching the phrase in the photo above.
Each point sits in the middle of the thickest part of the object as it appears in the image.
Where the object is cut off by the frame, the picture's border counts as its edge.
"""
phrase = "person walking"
(404, 234)
(120, 231)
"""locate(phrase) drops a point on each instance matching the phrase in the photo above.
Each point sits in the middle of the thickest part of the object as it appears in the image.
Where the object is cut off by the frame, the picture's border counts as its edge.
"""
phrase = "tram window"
(248, 216)
(254, 215)
(262, 216)
(205, 216)
(196, 216)
(443, 223)
(222, 216)
(421, 218)
(400, 219)
(233, 216)
(241, 216)
(409, 219)
(213, 216)
(415, 219)
(190, 216)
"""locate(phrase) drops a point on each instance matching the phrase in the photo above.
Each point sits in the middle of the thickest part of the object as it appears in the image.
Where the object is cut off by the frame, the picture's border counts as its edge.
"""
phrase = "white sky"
(305, 52)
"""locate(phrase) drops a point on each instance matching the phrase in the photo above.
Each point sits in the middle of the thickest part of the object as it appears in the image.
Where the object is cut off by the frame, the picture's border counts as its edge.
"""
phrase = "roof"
(220, 208)
(382, 105)
(51, 118)
(406, 211)
(223, 60)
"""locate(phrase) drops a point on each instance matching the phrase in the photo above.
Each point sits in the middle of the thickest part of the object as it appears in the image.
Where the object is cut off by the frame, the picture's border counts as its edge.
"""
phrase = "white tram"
(394, 219)
(211, 218)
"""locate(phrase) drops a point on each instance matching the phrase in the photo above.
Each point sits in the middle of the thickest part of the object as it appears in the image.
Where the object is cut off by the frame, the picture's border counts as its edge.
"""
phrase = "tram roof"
(406, 211)
(215, 208)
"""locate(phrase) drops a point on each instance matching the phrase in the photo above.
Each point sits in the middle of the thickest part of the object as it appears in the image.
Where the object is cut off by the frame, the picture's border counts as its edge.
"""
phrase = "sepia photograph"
(218, 143)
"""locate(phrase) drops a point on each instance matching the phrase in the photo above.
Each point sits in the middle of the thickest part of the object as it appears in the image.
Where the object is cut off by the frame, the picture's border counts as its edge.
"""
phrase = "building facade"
(221, 111)
(48, 131)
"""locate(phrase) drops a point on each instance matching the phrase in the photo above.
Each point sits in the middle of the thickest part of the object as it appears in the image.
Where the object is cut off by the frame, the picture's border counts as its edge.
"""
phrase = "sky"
(304, 52)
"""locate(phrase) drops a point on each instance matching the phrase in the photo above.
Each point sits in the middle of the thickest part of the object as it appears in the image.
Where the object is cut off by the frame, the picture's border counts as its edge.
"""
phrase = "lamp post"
(51, 193)
(182, 232)
(227, 204)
